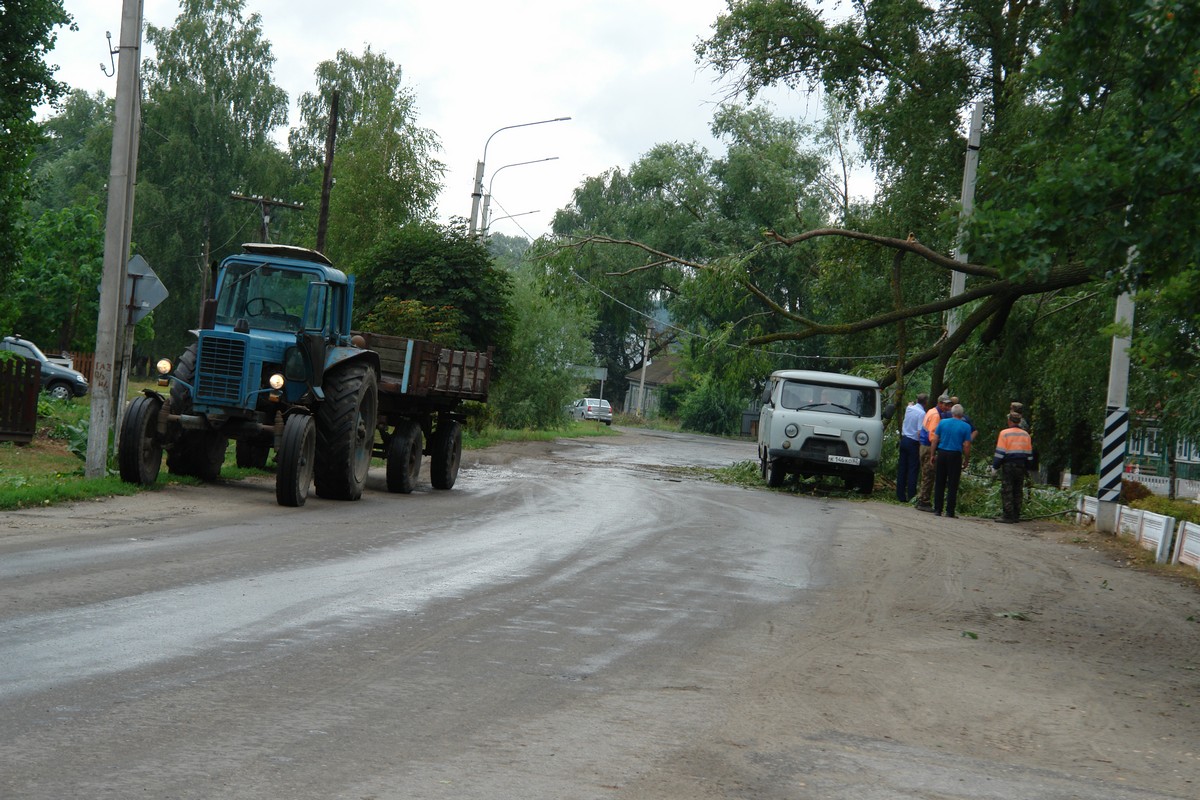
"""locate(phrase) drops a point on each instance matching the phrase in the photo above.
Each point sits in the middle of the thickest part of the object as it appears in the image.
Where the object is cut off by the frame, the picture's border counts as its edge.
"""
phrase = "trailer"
(276, 366)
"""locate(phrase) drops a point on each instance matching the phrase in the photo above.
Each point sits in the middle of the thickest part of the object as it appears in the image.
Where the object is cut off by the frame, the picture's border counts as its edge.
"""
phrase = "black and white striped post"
(1112, 453)
(1116, 422)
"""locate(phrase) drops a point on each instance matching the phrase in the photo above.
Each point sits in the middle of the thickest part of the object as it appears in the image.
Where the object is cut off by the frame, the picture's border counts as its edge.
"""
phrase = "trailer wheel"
(404, 457)
(139, 452)
(297, 452)
(197, 453)
(252, 455)
(445, 455)
(346, 431)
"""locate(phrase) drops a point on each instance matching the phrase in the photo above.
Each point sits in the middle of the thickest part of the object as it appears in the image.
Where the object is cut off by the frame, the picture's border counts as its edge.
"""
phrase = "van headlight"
(861, 437)
(791, 430)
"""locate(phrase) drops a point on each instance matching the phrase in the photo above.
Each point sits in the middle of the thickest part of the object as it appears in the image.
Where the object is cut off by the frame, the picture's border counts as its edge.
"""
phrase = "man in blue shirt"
(951, 443)
(909, 464)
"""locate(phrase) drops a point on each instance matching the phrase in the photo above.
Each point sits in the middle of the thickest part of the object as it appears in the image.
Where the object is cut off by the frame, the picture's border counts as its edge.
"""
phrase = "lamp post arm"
(477, 191)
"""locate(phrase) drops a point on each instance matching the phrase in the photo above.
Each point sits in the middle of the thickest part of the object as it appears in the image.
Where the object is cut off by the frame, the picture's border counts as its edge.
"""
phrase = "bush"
(1132, 491)
(1182, 510)
(711, 408)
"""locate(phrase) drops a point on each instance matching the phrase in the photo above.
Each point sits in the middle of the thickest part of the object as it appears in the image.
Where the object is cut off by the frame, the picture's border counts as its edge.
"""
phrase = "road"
(584, 619)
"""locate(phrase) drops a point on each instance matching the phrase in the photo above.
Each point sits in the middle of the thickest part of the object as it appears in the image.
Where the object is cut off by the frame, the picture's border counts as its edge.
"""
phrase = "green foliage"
(712, 407)
(1086, 485)
(28, 35)
(385, 171)
(440, 266)
(1181, 510)
(1133, 491)
(416, 320)
(549, 339)
(54, 290)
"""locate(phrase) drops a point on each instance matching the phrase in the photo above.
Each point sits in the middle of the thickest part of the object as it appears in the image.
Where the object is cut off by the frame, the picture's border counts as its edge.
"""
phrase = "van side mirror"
(888, 411)
(766, 395)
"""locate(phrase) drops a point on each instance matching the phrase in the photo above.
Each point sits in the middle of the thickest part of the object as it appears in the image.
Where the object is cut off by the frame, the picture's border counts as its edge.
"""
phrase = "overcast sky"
(623, 70)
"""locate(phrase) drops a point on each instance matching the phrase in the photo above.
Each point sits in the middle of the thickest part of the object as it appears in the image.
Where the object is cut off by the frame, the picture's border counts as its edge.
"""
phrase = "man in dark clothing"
(951, 442)
(1014, 451)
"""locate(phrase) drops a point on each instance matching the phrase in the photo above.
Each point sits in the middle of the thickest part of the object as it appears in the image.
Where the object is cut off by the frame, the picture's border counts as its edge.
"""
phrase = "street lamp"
(487, 198)
(477, 192)
(510, 216)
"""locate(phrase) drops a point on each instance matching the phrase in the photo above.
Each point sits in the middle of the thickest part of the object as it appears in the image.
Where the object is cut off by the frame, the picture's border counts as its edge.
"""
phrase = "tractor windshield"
(265, 296)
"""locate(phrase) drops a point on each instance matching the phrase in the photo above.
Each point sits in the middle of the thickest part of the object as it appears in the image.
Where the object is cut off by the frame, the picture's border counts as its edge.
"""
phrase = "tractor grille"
(219, 370)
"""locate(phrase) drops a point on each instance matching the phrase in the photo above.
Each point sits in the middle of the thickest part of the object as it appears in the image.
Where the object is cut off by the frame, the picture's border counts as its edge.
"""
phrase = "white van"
(820, 423)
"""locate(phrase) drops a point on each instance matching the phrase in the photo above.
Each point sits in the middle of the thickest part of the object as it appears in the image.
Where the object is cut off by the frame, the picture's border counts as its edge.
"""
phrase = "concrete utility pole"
(958, 280)
(1116, 420)
(121, 177)
(641, 409)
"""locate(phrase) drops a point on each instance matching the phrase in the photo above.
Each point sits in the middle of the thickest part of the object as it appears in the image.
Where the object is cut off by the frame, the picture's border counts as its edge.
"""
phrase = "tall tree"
(211, 107)
(385, 169)
(27, 35)
(440, 265)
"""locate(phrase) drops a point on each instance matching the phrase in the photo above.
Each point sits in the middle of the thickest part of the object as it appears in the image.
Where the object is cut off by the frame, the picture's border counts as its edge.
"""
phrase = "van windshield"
(827, 398)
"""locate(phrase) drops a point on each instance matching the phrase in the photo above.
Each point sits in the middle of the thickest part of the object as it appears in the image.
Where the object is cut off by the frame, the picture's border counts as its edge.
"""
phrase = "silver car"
(592, 408)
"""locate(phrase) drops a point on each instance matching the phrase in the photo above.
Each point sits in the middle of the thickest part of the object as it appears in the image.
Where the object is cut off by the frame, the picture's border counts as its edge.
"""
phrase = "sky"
(624, 71)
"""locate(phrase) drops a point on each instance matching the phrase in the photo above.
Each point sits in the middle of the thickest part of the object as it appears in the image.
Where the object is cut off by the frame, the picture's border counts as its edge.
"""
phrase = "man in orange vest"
(1014, 454)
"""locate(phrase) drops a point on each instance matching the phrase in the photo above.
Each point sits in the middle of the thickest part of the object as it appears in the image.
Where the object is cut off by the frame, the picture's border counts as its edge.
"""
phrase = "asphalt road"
(565, 623)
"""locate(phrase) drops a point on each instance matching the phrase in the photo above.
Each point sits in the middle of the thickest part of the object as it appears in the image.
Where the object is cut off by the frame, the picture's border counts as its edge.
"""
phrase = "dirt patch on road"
(995, 641)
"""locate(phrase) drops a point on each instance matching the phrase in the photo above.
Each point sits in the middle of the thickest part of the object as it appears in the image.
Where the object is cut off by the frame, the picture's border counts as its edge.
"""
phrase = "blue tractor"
(274, 366)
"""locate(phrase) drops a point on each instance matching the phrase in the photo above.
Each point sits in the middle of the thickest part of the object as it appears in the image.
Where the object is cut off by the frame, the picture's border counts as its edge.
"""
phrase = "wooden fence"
(20, 381)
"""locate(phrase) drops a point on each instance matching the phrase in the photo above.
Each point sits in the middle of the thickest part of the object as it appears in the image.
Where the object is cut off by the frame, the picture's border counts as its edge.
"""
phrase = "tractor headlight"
(276, 381)
(163, 366)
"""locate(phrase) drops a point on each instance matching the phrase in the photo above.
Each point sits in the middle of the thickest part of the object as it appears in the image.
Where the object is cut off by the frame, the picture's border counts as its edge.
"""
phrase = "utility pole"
(327, 181)
(1116, 419)
(121, 176)
(641, 410)
(958, 280)
(265, 204)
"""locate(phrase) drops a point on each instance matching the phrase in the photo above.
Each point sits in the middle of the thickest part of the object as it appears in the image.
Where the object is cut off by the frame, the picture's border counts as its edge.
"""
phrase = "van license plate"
(844, 460)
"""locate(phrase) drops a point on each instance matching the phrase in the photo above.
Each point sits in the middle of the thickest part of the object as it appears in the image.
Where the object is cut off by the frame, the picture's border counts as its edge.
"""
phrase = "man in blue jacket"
(951, 444)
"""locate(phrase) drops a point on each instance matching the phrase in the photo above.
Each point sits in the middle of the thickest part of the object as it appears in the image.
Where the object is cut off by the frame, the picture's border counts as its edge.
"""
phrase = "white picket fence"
(1172, 541)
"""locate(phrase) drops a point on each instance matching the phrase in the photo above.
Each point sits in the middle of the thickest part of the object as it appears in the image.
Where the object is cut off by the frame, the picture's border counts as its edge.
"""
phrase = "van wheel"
(866, 484)
(775, 474)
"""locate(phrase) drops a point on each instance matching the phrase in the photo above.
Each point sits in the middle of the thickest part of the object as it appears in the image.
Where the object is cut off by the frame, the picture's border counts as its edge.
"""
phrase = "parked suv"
(61, 382)
(820, 423)
(592, 408)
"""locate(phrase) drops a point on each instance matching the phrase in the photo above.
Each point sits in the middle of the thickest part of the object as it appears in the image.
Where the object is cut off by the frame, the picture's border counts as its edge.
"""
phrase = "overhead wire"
(711, 340)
